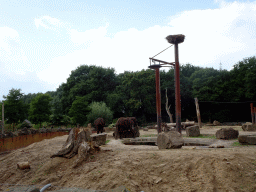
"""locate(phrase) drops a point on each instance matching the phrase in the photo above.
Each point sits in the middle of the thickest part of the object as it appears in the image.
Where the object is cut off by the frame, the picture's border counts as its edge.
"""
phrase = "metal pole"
(198, 113)
(177, 89)
(3, 118)
(158, 101)
(252, 113)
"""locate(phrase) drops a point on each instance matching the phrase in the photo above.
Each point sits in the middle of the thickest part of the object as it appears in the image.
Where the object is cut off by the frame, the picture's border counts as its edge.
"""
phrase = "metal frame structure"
(173, 39)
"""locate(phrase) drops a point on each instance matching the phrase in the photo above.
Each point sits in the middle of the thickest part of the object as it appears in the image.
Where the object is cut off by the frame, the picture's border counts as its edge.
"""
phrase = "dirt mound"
(138, 168)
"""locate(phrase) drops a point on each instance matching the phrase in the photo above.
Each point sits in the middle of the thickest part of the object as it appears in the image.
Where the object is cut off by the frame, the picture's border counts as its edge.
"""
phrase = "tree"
(79, 110)
(40, 108)
(93, 82)
(14, 107)
(99, 109)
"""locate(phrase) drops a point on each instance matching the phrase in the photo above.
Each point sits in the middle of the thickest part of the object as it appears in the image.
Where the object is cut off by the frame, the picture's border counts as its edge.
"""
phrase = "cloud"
(48, 22)
(88, 36)
(225, 35)
(12, 56)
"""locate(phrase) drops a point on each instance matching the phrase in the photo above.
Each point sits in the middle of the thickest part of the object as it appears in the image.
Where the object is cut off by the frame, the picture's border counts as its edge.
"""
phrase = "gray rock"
(242, 138)
(100, 139)
(227, 133)
(170, 140)
(193, 131)
(251, 139)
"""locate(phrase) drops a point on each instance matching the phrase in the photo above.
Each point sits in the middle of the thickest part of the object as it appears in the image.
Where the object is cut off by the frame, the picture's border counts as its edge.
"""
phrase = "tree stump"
(170, 140)
(78, 142)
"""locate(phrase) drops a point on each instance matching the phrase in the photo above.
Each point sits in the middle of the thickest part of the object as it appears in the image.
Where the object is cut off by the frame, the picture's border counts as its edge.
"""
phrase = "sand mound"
(139, 168)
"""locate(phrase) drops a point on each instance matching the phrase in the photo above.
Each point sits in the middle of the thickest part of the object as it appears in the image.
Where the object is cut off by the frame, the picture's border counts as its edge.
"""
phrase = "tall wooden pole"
(158, 101)
(198, 113)
(252, 113)
(177, 89)
(3, 118)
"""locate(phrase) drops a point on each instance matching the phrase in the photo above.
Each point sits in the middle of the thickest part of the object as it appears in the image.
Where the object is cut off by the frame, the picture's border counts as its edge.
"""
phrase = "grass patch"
(204, 136)
(107, 141)
(150, 135)
(237, 144)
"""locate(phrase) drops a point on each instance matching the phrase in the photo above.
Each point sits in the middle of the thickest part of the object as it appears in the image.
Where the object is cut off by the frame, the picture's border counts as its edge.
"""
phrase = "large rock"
(251, 139)
(247, 127)
(193, 131)
(170, 140)
(100, 139)
(227, 133)
(242, 139)
(216, 123)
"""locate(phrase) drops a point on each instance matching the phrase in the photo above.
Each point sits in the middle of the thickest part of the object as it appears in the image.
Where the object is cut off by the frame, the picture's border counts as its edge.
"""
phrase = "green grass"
(204, 136)
(237, 144)
(107, 141)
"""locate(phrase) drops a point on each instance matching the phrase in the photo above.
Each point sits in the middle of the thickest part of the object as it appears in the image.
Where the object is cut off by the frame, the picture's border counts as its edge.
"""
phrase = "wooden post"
(3, 118)
(255, 115)
(198, 113)
(252, 113)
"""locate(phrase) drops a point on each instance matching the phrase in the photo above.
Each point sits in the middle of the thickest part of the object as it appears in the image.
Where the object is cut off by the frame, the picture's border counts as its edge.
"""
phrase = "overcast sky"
(42, 41)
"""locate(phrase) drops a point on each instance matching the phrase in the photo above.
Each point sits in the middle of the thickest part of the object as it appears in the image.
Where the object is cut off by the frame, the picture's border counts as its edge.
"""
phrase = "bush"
(99, 109)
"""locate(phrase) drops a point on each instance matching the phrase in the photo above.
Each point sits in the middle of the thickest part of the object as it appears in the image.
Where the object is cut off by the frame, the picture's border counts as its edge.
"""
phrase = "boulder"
(170, 140)
(242, 139)
(216, 123)
(227, 133)
(193, 131)
(145, 129)
(247, 127)
(251, 139)
(100, 138)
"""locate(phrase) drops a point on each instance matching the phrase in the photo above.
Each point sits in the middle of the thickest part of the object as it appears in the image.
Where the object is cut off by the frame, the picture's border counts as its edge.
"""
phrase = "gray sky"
(42, 41)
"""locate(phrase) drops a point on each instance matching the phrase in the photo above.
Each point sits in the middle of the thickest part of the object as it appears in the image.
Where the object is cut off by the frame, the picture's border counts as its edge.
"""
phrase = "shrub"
(99, 109)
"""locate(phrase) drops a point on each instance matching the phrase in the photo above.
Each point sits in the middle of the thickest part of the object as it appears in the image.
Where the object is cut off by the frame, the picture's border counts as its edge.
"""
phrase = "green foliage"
(79, 110)
(99, 109)
(40, 108)
(93, 82)
(14, 107)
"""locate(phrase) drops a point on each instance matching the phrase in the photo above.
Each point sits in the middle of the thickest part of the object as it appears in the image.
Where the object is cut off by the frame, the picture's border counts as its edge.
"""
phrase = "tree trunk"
(168, 108)
(78, 142)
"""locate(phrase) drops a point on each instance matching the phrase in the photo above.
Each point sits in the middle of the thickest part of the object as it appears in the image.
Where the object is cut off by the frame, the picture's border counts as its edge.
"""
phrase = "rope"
(162, 51)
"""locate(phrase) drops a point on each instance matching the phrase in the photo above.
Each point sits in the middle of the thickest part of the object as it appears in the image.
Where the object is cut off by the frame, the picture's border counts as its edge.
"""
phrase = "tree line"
(93, 91)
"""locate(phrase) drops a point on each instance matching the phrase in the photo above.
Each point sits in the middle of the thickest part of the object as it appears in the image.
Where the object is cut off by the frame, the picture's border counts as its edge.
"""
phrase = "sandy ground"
(138, 168)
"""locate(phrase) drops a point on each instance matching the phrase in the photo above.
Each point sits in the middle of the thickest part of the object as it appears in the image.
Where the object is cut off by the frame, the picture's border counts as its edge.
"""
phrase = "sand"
(138, 168)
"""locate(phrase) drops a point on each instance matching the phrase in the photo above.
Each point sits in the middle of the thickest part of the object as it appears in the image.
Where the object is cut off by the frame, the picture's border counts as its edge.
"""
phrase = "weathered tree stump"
(170, 140)
(78, 142)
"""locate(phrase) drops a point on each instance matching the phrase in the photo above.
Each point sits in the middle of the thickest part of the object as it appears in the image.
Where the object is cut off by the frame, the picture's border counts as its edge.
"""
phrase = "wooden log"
(23, 165)
(170, 140)
(186, 124)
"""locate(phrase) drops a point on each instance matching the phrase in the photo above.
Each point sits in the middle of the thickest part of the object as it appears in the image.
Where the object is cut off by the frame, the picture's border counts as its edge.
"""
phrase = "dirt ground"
(138, 168)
